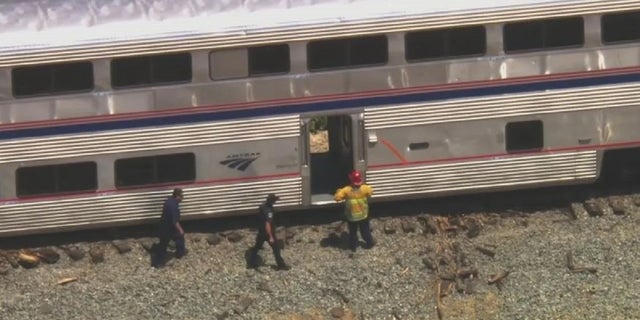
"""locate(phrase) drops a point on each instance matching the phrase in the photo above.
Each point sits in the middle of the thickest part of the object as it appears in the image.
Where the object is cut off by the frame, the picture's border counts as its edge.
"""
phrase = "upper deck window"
(621, 27)
(151, 70)
(445, 43)
(269, 59)
(344, 53)
(55, 179)
(52, 79)
(543, 34)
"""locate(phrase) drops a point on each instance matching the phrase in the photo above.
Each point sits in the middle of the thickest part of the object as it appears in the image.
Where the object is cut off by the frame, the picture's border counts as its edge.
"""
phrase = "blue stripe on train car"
(346, 103)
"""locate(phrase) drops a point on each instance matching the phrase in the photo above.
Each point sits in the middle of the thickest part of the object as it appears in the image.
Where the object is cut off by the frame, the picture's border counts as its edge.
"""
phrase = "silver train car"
(106, 105)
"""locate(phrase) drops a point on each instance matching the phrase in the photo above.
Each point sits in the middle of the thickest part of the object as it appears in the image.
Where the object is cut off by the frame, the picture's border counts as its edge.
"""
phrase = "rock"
(619, 205)
(290, 233)
(75, 253)
(223, 315)
(636, 200)
(122, 246)
(243, 303)
(463, 260)
(48, 255)
(429, 263)
(469, 286)
(234, 236)
(264, 286)
(148, 245)
(214, 239)
(596, 207)
(578, 211)
(473, 228)
(389, 227)
(4, 269)
(408, 226)
(28, 260)
(430, 225)
(97, 254)
(12, 258)
(337, 312)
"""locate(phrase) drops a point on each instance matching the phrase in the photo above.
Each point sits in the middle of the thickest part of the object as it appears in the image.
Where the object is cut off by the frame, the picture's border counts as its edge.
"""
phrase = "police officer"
(356, 209)
(266, 232)
(170, 228)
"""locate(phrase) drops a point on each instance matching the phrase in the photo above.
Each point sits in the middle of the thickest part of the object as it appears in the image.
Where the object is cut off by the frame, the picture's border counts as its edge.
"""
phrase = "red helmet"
(355, 177)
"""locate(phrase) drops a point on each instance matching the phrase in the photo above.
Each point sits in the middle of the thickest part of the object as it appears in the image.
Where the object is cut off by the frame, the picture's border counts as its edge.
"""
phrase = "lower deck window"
(524, 136)
(141, 171)
(55, 179)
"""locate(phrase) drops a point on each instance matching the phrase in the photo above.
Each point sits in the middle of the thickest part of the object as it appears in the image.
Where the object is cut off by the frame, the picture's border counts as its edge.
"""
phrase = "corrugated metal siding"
(484, 174)
(149, 139)
(113, 209)
(503, 106)
(251, 36)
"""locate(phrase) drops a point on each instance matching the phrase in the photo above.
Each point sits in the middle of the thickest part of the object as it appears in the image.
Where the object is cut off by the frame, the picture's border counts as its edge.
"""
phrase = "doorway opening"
(331, 155)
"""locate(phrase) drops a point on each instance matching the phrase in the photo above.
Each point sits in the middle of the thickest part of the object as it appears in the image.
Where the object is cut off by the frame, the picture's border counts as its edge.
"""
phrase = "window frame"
(348, 58)
(447, 39)
(57, 180)
(603, 24)
(152, 63)
(52, 72)
(153, 163)
(543, 25)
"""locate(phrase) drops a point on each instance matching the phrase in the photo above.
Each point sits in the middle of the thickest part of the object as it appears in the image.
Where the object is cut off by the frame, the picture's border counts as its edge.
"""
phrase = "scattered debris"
(578, 268)
(497, 278)
(486, 251)
(67, 280)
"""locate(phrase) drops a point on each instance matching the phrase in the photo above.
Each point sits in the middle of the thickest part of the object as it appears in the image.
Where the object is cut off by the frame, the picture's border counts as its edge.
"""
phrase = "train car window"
(55, 179)
(621, 27)
(524, 136)
(543, 34)
(269, 59)
(52, 79)
(343, 53)
(150, 70)
(445, 43)
(180, 167)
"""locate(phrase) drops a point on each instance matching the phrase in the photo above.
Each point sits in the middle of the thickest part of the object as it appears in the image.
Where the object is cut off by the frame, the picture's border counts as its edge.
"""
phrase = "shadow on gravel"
(247, 259)
(336, 240)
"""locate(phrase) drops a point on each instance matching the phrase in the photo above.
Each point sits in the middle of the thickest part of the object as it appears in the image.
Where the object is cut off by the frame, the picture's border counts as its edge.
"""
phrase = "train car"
(105, 106)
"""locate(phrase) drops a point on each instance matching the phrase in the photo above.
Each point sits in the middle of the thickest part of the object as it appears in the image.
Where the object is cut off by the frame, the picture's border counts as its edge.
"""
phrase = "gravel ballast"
(397, 279)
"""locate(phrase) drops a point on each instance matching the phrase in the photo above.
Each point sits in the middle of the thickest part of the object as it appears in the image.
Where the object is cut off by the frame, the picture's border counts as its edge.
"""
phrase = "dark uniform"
(266, 232)
(170, 228)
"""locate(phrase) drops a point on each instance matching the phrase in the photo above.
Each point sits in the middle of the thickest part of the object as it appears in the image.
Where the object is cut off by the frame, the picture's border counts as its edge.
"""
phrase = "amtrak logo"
(240, 161)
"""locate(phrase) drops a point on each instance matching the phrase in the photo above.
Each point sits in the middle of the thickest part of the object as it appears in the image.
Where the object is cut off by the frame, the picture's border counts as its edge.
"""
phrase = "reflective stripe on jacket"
(356, 201)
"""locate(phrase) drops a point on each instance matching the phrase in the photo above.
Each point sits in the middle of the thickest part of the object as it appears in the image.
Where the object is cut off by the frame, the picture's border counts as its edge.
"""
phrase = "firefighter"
(356, 197)
(267, 232)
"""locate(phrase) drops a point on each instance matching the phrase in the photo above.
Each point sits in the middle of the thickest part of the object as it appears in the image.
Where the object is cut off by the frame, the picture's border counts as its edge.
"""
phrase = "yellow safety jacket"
(356, 201)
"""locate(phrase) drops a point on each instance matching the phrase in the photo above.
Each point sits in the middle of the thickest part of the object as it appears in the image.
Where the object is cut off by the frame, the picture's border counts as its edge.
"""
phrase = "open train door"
(332, 144)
